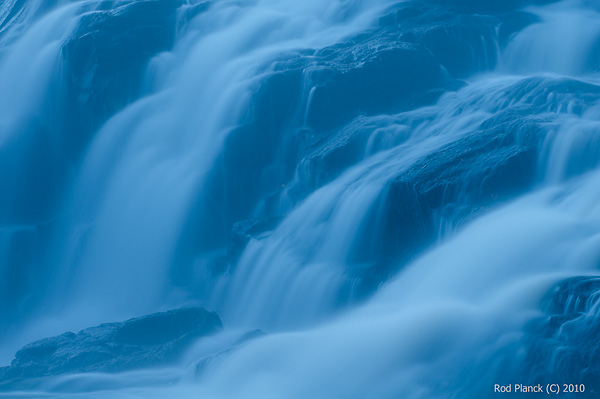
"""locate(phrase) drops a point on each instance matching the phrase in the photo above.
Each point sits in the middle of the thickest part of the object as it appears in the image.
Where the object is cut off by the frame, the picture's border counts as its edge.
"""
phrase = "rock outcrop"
(563, 345)
(147, 341)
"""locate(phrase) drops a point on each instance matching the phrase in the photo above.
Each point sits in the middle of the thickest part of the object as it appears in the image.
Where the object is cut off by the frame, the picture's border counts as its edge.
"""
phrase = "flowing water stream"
(417, 178)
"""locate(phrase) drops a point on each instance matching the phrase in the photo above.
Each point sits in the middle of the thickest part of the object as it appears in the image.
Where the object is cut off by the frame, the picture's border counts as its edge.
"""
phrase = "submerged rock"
(147, 341)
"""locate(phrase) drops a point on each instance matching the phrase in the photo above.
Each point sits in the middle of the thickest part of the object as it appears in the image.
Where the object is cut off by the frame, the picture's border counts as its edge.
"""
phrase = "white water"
(446, 314)
(562, 43)
(137, 197)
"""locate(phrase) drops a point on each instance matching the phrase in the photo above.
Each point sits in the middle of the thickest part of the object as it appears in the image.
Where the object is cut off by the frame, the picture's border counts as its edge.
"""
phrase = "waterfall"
(389, 192)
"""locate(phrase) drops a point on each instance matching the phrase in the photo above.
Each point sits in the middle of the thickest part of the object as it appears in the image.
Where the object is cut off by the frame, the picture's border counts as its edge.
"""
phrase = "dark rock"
(310, 119)
(513, 23)
(415, 54)
(461, 43)
(563, 345)
(330, 158)
(20, 11)
(449, 187)
(245, 230)
(369, 77)
(153, 340)
(455, 184)
(574, 296)
(106, 56)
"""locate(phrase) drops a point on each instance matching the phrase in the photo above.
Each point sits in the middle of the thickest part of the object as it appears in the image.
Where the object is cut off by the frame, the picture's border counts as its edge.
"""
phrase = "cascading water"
(199, 92)
(395, 199)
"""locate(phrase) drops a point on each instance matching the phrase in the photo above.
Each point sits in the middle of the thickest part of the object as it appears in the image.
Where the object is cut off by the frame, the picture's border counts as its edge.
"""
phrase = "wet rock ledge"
(147, 341)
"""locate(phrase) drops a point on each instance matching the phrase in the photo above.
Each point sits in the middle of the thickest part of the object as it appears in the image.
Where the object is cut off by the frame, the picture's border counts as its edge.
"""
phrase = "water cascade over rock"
(314, 199)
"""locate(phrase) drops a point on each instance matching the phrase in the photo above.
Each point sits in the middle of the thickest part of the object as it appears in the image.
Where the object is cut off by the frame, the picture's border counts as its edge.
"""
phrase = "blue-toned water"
(402, 196)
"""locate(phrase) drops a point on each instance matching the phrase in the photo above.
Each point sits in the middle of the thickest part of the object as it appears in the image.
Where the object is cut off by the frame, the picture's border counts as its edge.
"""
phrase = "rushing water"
(390, 190)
